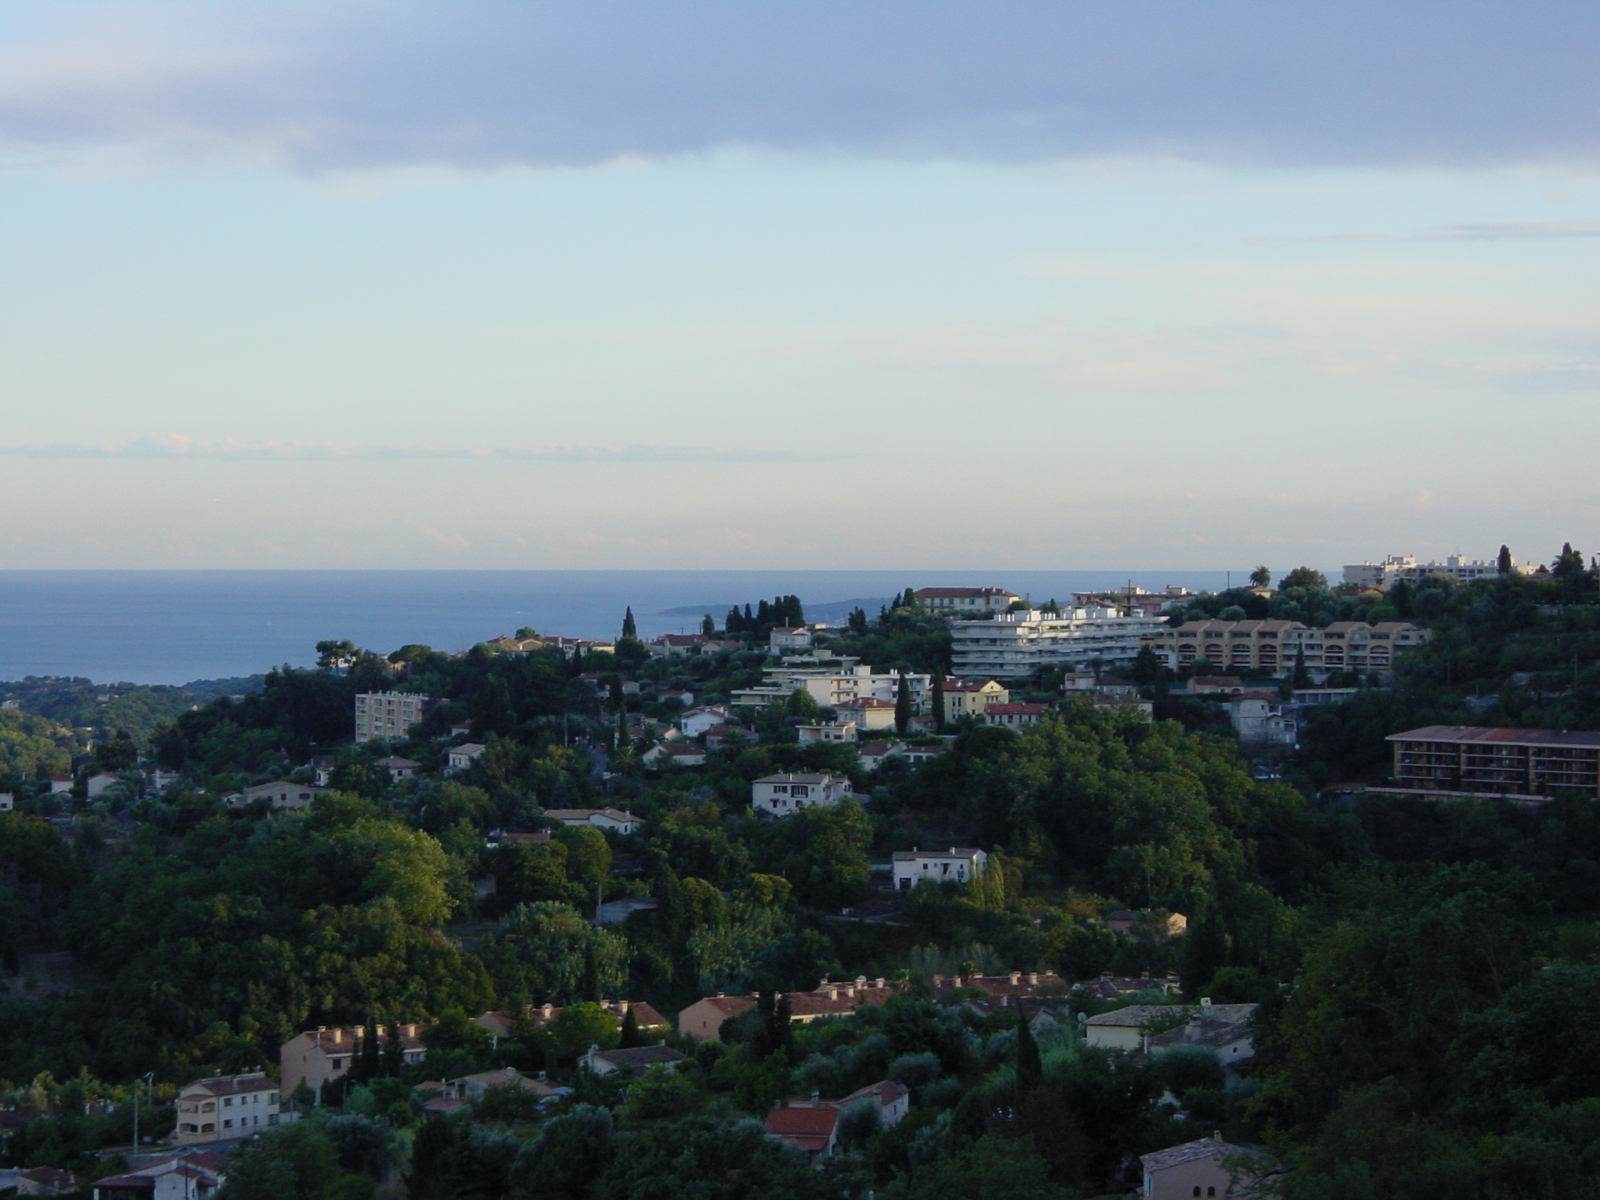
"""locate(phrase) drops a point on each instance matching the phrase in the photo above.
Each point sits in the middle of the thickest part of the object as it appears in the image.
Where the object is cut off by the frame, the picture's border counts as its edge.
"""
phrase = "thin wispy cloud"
(482, 83)
(1531, 231)
(177, 448)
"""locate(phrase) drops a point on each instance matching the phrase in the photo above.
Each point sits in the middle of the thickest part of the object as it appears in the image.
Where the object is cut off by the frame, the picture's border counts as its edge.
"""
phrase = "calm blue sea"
(178, 626)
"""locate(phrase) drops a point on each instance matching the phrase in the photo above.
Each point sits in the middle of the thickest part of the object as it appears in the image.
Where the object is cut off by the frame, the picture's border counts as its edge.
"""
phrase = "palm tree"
(1261, 577)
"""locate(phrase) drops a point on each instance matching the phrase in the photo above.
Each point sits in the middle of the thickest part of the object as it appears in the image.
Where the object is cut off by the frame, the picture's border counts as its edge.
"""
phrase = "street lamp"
(148, 1078)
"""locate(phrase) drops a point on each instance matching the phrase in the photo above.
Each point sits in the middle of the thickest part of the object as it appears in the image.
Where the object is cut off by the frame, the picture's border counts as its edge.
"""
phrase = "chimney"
(338, 1037)
(833, 993)
(1192, 1031)
(548, 1010)
(861, 981)
(1033, 978)
(880, 982)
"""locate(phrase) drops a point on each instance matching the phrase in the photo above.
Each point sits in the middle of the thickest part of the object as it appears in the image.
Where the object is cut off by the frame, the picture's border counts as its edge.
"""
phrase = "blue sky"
(1140, 286)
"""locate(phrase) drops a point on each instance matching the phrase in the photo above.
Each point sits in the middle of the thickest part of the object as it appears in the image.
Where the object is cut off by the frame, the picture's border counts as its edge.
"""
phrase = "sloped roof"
(809, 1128)
(1176, 1156)
(1136, 1016)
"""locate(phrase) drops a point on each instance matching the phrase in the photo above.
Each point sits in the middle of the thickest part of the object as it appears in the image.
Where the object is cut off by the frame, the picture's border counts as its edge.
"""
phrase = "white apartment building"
(834, 687)
(1275, 645)
(1405, 566)
(227, 1106)
(1013, 645)
(785, 795)
(387, 716)
(959, 864)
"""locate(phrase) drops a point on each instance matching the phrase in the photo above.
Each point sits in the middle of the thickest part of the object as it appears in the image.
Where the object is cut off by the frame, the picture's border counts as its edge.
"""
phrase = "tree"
(1301, 678)
(938, 701)
(1504, 563)
(902, 705)
(336, 656)
(1030, 1067)
(858, 620)
(1261, 577)
(708, 627)
(1304, 577)
(630, 628)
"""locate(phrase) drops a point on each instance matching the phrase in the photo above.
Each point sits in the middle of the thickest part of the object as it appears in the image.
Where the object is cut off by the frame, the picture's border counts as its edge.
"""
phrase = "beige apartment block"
(968, 697)
(387, 716)
(1275, 645)
(321, 1054)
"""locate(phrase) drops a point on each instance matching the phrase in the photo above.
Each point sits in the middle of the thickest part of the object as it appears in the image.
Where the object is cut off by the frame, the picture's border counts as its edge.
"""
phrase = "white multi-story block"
(1013, 645)
(227, 1106)
(1398, 567)
(388, 716)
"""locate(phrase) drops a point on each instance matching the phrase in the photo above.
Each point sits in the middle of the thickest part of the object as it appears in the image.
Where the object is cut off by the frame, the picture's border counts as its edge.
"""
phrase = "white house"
(784, 795)
(225, 1107)
(1229, 1036)
(959, 864)
(1015, 716)
(700, 720)
(280, 794)
(614, 819)
(677, 754)
(99, 783)
(190, 1175)
(1258, 718)
(7, 802)
(399, 768)
(463, 756)
(1124, 1028)
(790, 640)
(834, 731)
(60, 784)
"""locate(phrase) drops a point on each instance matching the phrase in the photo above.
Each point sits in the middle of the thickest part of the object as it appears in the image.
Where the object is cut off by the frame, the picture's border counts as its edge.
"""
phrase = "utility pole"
(147, 1081)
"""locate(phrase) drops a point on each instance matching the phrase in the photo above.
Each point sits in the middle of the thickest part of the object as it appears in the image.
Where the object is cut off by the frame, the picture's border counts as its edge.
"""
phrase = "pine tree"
(630, 628)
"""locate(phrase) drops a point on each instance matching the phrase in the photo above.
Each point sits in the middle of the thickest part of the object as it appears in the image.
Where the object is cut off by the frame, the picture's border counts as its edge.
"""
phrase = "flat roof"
(1497, 736)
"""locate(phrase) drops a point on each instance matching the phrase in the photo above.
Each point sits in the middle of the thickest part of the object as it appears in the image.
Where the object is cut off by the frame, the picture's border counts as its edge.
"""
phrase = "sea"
(175, 627)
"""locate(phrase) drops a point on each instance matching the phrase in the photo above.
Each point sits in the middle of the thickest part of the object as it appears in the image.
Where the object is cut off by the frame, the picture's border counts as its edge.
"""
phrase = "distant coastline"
(171, 627)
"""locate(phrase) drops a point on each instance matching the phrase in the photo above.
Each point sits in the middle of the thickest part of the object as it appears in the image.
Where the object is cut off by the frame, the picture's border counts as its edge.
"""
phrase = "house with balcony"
(227, 1106)
(786, 794)
(958, 864)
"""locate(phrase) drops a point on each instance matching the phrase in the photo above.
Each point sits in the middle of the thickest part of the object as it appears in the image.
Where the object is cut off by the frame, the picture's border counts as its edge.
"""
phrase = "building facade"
(1275, 646)
(227, 1106)
(1405, 567)
(785, 795)
(1013, 645)
(968, 697)
(1475, 760)
(965, 601)
(321, 1054)
(958, 864)
(387, 716)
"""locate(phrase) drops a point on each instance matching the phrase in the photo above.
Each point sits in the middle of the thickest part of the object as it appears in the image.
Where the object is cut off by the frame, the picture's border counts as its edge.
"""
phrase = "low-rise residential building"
(645, 1017)
(388, 716)
(831, 732)
(1125, 1028)
(8, 802)
(1198, 1168)
(631, 1063)
(1474, 760)
(1260, 720)
(227, 1106)
(60, 784)
(787, 639)
(96, 784)
(964, 601)
(1230, 1038)
(1013, 645)
(969, 697)
(318, 1055)
(399, 768)
(45, 1181)
(1018, 985)
(702, 720)
(874, 754)
(703, 1019)
(1276, 646)
(1134, 599)
(675, 754)
(677, 645)
(1015, 716)
(958, 864)
(460, 758)
(869, 714)
(615, 819)
(786, 794)
(186, 1175)
(280, 794)
(834, 683)
(811, 1124)
(474, 1087)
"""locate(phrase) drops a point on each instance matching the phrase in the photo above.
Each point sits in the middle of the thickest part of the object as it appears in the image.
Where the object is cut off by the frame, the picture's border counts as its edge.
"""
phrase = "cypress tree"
(735, 622)
(1503, 563)
(902, 705)
(370, 1056)
(393, 1056)
(749, 619)
(629, 628)
(630, 1031)
(1030, 1067)
(938, 701)
(708, 627)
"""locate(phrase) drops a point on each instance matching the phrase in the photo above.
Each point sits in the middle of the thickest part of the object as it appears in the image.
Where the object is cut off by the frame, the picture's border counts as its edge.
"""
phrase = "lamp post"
(147, 1081)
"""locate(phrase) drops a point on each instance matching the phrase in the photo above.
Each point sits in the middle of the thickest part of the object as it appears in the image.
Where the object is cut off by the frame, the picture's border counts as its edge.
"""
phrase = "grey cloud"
(186, 449)
(1551, 230)
(482, 83)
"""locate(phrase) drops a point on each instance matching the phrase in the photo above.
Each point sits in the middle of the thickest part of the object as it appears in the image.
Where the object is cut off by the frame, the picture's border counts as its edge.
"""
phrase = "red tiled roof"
(809, 1128)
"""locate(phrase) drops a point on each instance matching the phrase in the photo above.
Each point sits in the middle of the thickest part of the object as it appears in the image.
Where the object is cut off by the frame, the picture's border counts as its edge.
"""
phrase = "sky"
(1066, 285)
